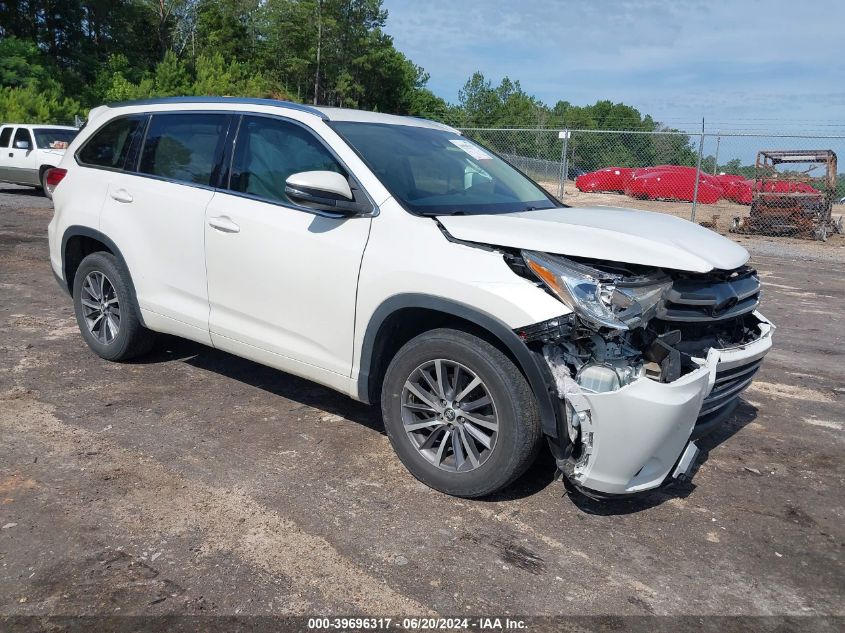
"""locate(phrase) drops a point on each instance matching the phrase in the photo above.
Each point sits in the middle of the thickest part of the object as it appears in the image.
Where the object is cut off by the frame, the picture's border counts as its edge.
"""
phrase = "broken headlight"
(602, 299)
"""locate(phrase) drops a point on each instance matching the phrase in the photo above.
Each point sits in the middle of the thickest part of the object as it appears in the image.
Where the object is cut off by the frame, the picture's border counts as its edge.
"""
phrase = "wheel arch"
(80, 241)
(401, 317)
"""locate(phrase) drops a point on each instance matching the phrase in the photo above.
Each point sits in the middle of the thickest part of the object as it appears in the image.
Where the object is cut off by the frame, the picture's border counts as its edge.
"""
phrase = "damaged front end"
(648, 361)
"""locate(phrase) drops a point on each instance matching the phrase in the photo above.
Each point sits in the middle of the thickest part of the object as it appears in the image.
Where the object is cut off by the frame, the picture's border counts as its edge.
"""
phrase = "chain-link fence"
(745, 183)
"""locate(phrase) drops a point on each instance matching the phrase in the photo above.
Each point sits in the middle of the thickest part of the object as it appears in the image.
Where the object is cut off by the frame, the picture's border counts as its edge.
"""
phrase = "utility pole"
(319, 46)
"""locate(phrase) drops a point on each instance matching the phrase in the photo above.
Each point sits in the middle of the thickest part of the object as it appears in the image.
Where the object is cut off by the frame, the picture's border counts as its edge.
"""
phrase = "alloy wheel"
(449, 415)
(100, 307)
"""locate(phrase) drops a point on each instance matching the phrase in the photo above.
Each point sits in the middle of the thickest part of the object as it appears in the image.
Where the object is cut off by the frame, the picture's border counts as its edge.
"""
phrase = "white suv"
(398, 262)
(28, 151)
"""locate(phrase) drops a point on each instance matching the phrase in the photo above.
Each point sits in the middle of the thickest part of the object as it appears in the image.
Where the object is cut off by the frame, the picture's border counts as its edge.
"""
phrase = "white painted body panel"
(641, 429)
(160, 234)
(605, 233)
(76, 202)
(297, 291)
(410, 254)
(286, 281)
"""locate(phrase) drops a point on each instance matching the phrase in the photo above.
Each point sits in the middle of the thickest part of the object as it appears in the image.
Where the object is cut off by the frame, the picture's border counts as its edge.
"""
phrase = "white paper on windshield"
(473, 150)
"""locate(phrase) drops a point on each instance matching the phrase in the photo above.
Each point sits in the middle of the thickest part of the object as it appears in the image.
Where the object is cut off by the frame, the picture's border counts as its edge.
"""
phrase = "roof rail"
(244, 100)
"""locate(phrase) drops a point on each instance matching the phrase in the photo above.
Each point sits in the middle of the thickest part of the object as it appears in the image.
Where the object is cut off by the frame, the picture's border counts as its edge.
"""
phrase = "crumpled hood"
(604, 233)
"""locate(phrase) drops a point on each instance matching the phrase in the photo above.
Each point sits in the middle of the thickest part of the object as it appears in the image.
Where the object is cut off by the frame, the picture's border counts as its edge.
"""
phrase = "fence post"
(563, 134)
(716, 158)
(697, 172)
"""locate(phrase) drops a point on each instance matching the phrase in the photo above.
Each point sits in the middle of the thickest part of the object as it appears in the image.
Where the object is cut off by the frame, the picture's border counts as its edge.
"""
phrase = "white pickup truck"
(28, 151)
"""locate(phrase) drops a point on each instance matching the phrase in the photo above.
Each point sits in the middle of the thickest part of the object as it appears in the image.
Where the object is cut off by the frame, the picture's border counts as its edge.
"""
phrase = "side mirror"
(323, 191)
(21, 144)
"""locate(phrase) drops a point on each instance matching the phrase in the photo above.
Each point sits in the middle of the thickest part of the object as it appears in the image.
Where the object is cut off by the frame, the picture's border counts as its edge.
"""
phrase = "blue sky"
(774, 65)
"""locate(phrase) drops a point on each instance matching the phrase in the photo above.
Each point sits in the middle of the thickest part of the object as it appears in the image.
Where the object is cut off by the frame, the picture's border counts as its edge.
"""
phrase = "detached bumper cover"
(633, 437)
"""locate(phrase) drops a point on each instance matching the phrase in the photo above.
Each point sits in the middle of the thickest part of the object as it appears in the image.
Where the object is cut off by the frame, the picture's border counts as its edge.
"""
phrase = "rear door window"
(268, 151)
(109, 146)
(6, 136)
(184, 147)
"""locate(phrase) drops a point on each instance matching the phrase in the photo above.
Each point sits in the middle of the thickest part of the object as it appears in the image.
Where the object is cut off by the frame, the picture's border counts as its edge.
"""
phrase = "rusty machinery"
(791, 201)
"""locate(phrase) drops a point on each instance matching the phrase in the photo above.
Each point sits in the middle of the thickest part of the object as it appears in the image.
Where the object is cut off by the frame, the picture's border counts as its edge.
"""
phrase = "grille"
(722, 400)
(711, 297)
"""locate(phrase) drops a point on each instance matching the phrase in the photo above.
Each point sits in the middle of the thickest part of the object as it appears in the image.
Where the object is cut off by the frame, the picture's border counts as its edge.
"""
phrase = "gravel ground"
(194, 482)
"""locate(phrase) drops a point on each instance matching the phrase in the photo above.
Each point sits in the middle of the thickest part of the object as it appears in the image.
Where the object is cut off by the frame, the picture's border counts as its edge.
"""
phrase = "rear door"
(155, 213)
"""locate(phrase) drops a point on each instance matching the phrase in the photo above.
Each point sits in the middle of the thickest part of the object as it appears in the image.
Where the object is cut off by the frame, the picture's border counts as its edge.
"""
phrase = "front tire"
(105, 314)
(459, 414)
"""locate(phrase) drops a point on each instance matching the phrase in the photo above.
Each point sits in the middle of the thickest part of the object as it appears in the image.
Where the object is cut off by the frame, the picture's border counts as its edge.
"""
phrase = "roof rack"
(244, 100)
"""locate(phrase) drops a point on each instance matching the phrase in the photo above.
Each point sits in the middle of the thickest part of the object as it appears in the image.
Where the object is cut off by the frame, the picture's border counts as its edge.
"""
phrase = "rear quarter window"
(109, 146)
(6, 136)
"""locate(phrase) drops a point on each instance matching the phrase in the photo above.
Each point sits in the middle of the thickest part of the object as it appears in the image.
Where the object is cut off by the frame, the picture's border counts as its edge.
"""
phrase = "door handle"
(224, 224)
(11, 154)
(121, 195)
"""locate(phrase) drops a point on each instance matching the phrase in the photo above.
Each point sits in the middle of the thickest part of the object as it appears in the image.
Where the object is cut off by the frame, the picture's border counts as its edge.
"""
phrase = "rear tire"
(105, 313)
(467, 447)
(42, 178)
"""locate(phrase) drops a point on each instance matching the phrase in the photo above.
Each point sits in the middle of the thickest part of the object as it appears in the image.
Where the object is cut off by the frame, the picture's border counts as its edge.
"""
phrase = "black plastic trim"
(706, 424)
(538, 375)
(85, 231)
(59, 280)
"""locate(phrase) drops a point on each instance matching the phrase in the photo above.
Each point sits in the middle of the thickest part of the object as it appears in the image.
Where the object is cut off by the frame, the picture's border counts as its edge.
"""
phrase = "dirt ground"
(194, 482)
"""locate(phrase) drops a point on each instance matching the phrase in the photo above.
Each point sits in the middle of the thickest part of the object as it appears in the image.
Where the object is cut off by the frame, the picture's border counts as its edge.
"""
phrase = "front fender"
(532, 364)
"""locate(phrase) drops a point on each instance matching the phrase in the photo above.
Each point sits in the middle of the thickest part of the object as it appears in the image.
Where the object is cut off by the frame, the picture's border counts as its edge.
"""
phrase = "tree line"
(59, 58)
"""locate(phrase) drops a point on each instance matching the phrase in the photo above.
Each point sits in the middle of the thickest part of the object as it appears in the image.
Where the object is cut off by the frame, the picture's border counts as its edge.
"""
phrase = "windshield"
(436, 172)
(53, 138)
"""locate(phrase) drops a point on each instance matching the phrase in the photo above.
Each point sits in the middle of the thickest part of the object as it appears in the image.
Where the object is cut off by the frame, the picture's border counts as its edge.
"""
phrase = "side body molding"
(86, 231)
(532, 364)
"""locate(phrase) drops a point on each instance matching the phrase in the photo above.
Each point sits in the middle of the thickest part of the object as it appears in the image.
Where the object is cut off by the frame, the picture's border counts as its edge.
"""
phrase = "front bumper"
(634, 436)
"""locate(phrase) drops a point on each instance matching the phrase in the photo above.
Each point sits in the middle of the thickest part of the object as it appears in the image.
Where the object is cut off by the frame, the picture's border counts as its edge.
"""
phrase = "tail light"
(53, 178)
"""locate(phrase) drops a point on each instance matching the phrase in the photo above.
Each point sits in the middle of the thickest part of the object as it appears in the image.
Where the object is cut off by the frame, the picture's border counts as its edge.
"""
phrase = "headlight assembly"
(602, 299)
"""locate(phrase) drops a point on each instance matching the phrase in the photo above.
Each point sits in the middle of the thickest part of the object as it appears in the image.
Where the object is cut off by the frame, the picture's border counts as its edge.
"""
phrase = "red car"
(673, 182)
(737, 188)
(608, 179)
